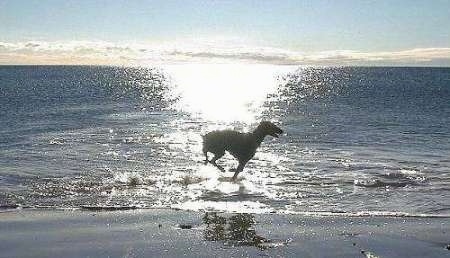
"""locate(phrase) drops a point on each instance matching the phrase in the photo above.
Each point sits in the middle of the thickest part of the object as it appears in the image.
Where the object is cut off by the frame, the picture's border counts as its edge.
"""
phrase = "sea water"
(358, 140)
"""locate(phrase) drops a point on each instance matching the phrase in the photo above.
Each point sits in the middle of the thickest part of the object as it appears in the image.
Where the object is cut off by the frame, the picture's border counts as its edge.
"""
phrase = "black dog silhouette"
(241, 145)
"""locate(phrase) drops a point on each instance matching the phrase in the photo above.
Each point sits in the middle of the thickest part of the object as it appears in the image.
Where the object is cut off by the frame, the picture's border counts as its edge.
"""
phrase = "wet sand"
(172, 233)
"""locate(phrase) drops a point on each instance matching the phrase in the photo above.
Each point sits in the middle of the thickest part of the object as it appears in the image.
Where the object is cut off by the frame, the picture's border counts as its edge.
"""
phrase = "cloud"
(104, 53)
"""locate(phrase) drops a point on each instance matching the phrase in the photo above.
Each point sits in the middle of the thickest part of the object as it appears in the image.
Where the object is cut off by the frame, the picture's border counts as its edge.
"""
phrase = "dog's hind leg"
(239, 169)
(215, 158)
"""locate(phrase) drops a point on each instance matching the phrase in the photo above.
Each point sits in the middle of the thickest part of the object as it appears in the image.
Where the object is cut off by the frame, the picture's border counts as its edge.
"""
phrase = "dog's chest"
(243, 148)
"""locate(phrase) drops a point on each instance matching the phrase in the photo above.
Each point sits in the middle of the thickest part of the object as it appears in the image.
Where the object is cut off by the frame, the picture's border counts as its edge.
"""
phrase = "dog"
(241, 145)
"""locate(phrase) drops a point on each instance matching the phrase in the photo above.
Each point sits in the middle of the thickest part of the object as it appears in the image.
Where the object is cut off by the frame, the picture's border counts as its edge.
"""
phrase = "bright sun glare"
(225, 92)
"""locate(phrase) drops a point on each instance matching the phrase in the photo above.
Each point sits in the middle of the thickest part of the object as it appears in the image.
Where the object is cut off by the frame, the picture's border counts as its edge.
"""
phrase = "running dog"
(241, 145)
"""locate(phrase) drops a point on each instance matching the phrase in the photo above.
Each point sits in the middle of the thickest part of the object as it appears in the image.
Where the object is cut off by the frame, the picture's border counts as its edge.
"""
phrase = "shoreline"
(95, 208)
(173, 233)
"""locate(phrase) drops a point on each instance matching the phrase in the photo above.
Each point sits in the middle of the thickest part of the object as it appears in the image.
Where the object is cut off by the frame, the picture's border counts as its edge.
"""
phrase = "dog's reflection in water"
(236, 230)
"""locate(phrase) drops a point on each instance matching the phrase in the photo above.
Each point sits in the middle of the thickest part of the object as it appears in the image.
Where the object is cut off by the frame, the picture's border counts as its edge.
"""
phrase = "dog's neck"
(259, 135)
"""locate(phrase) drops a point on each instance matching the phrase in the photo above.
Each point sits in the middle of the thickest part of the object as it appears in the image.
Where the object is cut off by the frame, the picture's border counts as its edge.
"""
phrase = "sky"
(309, 32)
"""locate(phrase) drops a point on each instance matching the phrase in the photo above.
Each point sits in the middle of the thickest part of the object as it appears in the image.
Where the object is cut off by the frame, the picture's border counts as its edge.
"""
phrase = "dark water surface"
(358, 140)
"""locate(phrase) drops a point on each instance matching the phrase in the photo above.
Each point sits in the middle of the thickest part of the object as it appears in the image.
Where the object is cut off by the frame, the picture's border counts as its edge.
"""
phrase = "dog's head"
(268, 128)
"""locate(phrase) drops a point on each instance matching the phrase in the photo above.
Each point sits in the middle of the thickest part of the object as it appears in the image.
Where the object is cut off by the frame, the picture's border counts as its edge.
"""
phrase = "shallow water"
(358, 140)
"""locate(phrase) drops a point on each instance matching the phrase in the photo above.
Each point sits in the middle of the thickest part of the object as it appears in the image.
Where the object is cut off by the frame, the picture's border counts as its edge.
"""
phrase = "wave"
(9, 207)
(380, 183)
(398, 179)
(107, 208)
(371, 214)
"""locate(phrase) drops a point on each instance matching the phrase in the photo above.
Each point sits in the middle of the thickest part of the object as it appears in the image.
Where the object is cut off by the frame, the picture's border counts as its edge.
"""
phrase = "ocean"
(358, 140)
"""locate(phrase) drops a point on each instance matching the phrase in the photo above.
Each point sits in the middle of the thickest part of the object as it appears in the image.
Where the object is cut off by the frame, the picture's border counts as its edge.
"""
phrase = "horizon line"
(262, 64)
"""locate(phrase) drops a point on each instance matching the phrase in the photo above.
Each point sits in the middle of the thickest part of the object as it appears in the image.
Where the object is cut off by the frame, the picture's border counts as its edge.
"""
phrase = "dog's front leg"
(215, 158)
(219, 167)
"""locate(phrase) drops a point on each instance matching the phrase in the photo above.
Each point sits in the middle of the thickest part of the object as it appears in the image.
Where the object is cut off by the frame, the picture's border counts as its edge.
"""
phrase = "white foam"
(240, 207)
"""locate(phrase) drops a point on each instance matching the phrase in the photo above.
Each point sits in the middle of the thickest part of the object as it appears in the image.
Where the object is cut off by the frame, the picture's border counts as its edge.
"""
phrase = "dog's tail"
(205, 150)
(204, 137)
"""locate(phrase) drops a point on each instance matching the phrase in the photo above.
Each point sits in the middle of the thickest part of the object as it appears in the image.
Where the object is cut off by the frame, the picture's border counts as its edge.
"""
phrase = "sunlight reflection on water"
(225, 92)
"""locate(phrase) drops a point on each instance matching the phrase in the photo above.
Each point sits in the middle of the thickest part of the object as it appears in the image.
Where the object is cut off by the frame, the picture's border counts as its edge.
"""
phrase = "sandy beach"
(173, 233)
